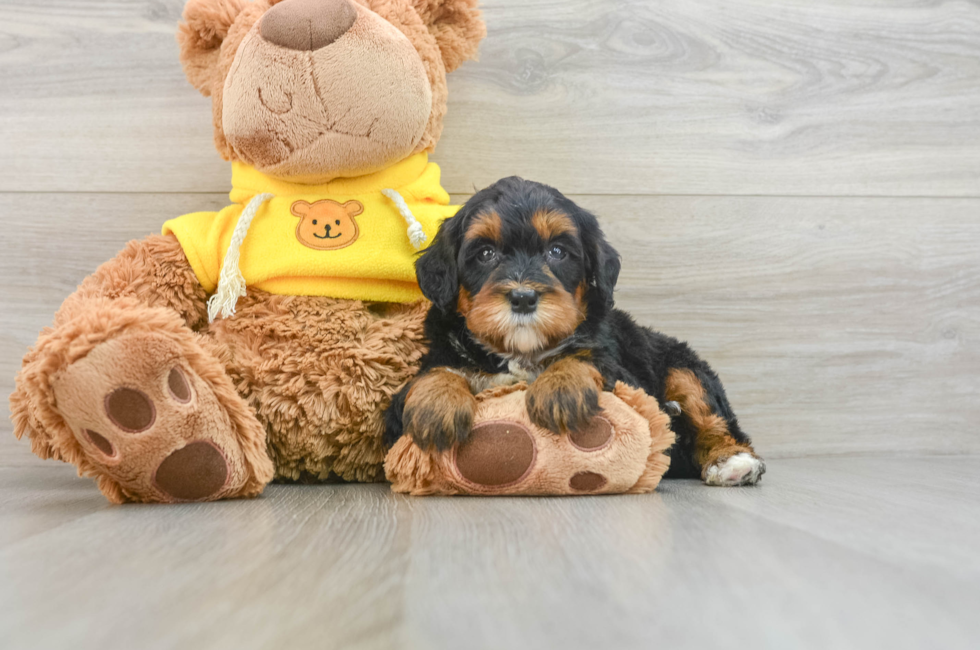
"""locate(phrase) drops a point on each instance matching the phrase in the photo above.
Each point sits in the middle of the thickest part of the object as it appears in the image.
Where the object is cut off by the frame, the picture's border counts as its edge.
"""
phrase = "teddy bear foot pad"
(149, 422)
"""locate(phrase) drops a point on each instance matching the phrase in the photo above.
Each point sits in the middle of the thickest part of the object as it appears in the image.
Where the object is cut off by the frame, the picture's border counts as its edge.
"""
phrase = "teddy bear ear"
(205, 26)
(457, 27)
(353, 208)
(300, 208)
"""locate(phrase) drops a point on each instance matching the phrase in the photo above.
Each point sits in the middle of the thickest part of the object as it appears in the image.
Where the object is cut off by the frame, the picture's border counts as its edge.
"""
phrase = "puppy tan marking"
(490, 318)
(713, 444)
(485, 226)
(464, 303)
(439, 409)
(550, 224)
(565, 397)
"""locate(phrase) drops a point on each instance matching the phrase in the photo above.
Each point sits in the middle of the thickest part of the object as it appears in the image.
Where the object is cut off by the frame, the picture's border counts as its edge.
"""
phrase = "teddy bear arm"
(154, 272)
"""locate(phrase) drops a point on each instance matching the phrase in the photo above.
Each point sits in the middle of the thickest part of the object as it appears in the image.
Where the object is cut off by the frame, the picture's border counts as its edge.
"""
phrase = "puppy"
(521, 282)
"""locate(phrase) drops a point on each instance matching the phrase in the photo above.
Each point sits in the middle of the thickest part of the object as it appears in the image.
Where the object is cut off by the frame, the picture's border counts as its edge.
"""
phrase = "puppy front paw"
(439, 410)
(565, 397)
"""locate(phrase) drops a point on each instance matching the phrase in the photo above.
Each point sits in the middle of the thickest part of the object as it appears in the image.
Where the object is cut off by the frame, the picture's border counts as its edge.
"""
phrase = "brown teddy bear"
(266, 340)
(327, 109)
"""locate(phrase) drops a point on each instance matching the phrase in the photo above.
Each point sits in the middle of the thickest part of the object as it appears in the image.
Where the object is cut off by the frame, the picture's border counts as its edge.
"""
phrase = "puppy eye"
(557, 252)
(486, 255)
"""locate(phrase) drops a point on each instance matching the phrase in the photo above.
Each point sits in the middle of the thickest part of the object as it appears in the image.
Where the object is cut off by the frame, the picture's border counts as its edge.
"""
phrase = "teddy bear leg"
(145, 411)
(322, 389)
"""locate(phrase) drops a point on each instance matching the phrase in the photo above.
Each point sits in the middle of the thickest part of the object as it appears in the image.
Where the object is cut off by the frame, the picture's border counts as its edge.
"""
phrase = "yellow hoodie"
(342, 239)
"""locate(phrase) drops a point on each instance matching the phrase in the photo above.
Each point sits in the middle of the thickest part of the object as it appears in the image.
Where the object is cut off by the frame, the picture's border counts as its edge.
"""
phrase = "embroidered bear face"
(327, 225)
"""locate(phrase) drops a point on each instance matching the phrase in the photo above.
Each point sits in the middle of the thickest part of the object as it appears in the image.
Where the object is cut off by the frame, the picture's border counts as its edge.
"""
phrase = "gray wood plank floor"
(795, 189)
(826, 553)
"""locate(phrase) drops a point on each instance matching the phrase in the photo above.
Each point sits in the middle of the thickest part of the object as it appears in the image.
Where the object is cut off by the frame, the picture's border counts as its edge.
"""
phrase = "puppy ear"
(206, 24)
(457, 27)
(602, 267)
(436, 268)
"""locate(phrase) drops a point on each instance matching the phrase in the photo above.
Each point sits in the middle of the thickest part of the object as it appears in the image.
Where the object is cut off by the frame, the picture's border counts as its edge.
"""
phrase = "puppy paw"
(439, 410)
(565, 397)
(741, 469)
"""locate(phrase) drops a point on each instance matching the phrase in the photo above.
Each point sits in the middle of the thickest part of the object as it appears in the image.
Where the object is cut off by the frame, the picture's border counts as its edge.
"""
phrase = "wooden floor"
(795, 189)
(829, 553)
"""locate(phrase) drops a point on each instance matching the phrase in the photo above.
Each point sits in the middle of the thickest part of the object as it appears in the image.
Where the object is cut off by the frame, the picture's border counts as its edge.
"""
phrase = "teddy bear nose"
(307, 25)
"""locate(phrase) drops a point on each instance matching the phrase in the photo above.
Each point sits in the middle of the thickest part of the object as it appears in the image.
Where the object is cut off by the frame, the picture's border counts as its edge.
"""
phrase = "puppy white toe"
(740, 469)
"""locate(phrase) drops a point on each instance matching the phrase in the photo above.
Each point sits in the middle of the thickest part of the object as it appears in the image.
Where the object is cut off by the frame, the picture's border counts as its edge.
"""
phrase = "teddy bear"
(265, 340)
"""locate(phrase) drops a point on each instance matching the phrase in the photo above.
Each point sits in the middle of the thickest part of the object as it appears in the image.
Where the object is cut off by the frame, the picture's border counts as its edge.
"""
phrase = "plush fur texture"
(283, 113)
(133, 386)
(396, 53)
(522, 284)
(318, 374)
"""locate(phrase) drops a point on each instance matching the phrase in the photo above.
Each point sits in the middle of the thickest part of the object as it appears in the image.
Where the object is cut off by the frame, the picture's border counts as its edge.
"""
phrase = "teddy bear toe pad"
(130, 410)
(149, 422)
(587, 482)
(596, 435)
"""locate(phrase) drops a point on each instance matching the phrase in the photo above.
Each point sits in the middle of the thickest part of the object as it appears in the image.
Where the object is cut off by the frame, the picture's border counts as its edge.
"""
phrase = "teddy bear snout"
(307, 25)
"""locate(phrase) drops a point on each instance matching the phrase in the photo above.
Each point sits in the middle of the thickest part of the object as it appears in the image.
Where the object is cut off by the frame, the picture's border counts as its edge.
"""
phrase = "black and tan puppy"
(521, 282)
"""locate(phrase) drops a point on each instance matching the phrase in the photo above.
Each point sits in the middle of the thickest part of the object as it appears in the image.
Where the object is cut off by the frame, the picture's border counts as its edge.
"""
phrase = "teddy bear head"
(309, 90)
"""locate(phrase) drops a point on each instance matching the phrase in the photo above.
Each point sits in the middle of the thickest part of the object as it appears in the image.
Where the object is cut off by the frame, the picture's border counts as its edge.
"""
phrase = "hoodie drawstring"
(415, 233)
(231, 282)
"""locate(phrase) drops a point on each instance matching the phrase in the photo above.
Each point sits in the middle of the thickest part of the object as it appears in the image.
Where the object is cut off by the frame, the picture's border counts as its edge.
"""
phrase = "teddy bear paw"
(146, 420)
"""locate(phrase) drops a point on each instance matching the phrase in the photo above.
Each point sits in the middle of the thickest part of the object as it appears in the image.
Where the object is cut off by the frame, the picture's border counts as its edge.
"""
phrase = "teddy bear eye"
(337, 222)
(314, 222)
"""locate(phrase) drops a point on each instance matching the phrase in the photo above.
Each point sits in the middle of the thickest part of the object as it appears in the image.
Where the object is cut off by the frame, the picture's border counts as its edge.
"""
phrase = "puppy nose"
(523, 301)
(307, 25)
